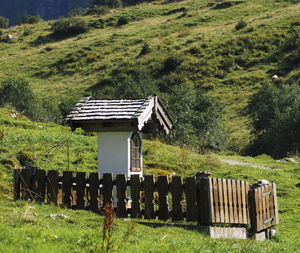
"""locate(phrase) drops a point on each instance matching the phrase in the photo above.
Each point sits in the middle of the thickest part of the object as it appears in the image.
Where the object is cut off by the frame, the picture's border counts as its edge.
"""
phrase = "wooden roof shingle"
(137, 112)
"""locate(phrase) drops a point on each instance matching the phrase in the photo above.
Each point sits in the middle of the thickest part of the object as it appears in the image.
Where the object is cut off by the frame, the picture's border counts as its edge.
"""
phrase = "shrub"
(171, 63)
(27, 31)
(145, 49)
(240, 25)
(275, 112)
(4, 22)
(101, 10)
(77, 12)
(123, 20)
(69, 26)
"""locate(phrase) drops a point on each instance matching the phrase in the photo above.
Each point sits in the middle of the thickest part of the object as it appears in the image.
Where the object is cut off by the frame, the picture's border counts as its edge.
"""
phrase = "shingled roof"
(111, 115)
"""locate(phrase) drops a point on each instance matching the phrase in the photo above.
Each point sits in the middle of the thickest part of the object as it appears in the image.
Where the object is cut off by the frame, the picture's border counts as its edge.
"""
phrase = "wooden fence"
(264, 207)
(206, 200)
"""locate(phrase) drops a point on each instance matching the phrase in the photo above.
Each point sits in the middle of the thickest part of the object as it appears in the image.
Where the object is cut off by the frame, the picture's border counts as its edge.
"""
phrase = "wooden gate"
(264, 210)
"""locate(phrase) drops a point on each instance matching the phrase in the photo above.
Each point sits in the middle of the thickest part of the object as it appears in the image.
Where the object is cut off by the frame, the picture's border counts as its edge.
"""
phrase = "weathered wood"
(190, 193)
(275, 204)
(80, 190)
(26, 184)
(107, 188)
(235, 202)
(221, 203)
(52, 186)
(39, 185)
(162, 187)
(268, 220)
(203, 201)
(216, 201)
(260, 208)
(247, 189)
(264, 207)
(17, 182)
(211, 201)
(244, 210)
(271, 205)
(67, 181)
(149, 190)
(121, 185)
(225, 197)
(94, 191)
(176, 190)
(230, 202)
(239, 201)
(135, 186)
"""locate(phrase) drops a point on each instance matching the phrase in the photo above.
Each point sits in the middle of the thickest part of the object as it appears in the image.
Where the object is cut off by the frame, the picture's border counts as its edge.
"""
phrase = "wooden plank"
(176, 190)
(216, 200)
(121, 185)
(211, 203)
(149, 190)
(225, 197)
(26, 186)
(257, 211)
(52, 186)
(252, 209)
(268, 213)
(39, 185)
(271, 205)
(203, 201)
(135, 186)
(80, 191)
(162, 188)
(247, 189)
(107, 189)
(190, 193)
(94, 191)
(263, 199)
(275, 204)
(221, 201)
(230, 203)
(239, 201)
(17, 184)
(67, 181)
(244, 208)
(235, 202)
(260, 208)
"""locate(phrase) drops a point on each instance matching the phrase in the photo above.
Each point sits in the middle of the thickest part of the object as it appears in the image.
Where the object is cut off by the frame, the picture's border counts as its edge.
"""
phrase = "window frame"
(135, 153)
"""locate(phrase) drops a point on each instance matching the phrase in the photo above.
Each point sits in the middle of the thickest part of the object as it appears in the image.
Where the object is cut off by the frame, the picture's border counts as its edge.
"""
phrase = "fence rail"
(206, 200)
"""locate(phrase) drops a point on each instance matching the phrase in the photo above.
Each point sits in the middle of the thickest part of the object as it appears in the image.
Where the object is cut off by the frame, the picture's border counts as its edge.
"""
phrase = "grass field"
(28, 227)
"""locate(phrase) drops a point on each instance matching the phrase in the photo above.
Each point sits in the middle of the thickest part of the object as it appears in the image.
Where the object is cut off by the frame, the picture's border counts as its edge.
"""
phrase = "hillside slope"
(230, 64)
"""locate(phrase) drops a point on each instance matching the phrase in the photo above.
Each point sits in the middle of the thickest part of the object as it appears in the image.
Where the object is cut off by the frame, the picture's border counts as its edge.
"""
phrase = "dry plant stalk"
(108, 227)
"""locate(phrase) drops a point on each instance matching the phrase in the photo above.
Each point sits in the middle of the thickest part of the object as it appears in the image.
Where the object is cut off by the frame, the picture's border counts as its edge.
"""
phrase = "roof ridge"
(145, 99)
(81, 107)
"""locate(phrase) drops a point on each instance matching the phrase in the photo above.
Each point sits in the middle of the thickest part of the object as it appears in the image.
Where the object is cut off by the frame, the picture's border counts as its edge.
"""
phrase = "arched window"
(135, 152)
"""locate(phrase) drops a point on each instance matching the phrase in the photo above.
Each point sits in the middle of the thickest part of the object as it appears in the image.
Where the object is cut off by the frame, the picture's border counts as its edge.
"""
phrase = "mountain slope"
(230, 64)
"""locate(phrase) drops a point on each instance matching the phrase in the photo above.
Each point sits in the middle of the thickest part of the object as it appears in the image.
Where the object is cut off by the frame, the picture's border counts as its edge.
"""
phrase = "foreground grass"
(28, 227)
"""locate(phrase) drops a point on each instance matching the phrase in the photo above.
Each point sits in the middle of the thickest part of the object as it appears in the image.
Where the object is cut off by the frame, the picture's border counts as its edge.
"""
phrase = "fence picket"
(275, 204)
(149, 190)
(135, 186)
(230, 203)
(176, 190)
(244, 210)
(225, 197)
(190, 193)
(39, 185)
(211, 201)
(80, 190)
(162, 187)
(26, 186)
(216, 200)
(107, 189)
(67, 181)
(247, 189)
(94, 191)
(52, 186)
(121, 185)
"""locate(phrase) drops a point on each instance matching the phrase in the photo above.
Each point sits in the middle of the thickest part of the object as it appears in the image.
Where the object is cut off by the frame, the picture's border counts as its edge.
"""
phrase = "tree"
(275, 112)
(109, 3)
(4, 22)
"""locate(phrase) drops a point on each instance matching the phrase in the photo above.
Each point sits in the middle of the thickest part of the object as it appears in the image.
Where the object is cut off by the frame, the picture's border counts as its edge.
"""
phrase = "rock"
(289, 159)
(9, 37)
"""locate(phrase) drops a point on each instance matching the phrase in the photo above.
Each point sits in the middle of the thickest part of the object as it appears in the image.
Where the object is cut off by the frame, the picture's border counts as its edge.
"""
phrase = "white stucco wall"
(114, 153)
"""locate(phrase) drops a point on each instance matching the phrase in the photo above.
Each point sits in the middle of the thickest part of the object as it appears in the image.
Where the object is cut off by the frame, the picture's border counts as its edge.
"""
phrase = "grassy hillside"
(230, 64)
(29, 228)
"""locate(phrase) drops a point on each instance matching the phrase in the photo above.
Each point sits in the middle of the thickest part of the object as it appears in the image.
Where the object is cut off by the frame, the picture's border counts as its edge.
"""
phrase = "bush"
(77, 12)
(240, 25)
(276, 118)
(171, 63)
(27, 31)
(69, 26)
(123, 20)
(4, 22)
(145, 49)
